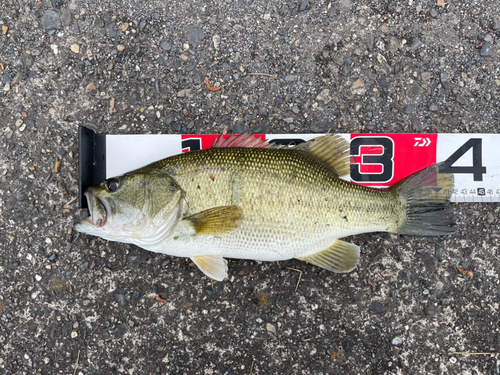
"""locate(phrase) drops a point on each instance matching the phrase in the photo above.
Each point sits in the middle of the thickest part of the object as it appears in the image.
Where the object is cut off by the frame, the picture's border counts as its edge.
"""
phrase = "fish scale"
(293, 206)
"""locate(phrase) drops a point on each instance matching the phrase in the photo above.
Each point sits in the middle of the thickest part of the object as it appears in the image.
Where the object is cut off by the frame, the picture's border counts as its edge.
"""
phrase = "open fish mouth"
(94, 204)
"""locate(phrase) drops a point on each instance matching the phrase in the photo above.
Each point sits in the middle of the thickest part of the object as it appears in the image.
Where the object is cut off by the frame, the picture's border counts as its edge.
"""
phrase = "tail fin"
(425, 195)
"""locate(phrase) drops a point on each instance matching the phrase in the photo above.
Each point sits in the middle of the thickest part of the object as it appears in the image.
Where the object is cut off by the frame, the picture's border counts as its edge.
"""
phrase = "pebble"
(38, 277)
(433, 107)
(271, 328)
(121, 330)
(185, 93)
(496, 24)
(357, 84)
(346, 3)
(121, 299)
(490, 218)
(75, 48)
(190, 65)
(195, 35)
(51, 20)
(434, 13)
(120, 47)
(125, 26)
(393, 44)
(397, 341)
(409, 109)
(320, 127)
(6, 78)
(378, 308)
(267, 16)
(295, 109)
(53, 257)
(488, 38)
(416, 43)
(426, 76)
(303, 5)
(486, 50)
(444, 81)
(19, 122)
(6, 87)
(324, 96)
(216, 40)
(112, 32)
(383, 83)
(290, 78)
(240, 128)
(426, 291)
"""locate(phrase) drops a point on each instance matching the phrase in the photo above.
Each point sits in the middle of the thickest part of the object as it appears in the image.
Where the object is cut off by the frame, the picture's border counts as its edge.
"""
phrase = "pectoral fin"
(213, 266)
(215, 220)
(340, 257)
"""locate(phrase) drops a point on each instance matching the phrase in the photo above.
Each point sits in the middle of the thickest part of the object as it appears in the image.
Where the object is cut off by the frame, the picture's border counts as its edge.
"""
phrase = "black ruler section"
(92, 161)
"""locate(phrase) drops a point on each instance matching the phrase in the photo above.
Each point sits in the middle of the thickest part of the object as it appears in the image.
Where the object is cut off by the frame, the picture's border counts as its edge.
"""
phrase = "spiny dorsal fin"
(213, 266)
(340, 257)
(215, 220)
(243, 140)
(332, 150)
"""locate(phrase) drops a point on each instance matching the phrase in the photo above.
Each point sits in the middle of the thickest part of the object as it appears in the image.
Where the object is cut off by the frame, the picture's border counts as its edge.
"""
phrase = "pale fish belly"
(257, 244)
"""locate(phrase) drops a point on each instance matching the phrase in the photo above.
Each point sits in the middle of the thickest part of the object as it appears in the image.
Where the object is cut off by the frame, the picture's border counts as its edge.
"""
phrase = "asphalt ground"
(74, 304)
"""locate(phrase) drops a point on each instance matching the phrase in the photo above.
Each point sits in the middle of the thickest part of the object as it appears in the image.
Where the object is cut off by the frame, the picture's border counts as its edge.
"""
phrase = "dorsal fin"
(243, 140)
(330, 149)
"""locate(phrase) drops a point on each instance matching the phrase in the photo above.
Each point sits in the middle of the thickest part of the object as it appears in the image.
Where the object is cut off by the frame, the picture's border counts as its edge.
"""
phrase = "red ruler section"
(203, 141)
(383, 160)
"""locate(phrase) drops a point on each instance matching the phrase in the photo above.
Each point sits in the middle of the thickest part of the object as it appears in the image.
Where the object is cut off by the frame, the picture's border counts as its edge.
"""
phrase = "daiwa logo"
(372, 159)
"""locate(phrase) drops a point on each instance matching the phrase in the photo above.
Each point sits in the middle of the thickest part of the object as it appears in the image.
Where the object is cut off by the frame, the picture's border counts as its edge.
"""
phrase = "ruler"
(378, 160)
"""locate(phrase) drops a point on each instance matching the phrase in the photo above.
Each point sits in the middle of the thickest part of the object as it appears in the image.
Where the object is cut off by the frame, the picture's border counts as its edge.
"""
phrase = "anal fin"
(340, 257)
(215, 220)
(213, 266)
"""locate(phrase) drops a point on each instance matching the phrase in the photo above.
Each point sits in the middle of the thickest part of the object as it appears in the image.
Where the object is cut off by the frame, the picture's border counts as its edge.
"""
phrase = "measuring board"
(377, 160)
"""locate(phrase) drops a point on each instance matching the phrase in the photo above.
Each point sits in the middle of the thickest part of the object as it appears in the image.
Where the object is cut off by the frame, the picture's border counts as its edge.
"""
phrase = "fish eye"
(112, 185)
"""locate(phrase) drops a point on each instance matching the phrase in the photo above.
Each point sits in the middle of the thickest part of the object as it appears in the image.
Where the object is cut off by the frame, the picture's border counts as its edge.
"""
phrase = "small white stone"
(267, 16)
(38, 277)
(397, 341)
(74, 334)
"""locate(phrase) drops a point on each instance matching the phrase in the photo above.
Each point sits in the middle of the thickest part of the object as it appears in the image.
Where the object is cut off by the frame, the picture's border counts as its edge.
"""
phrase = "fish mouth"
(99, 210)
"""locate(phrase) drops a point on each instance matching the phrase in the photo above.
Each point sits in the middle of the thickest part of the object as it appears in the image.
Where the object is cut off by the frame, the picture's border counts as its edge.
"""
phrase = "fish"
(245, 198)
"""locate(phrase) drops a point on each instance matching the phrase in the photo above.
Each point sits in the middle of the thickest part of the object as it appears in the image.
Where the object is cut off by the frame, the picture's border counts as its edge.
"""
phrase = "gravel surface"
(74, 304)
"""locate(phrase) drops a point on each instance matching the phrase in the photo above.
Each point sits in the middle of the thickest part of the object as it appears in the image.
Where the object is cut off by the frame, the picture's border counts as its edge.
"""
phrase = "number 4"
(477, 168)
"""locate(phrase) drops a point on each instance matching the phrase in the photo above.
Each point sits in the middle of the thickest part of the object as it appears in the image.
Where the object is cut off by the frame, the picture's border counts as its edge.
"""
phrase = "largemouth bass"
(248, 199)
